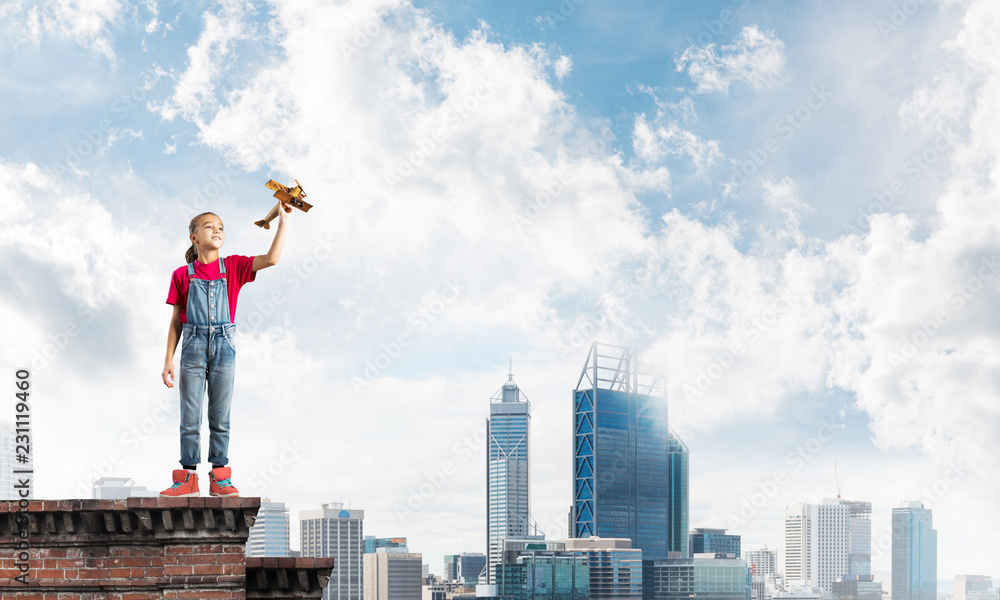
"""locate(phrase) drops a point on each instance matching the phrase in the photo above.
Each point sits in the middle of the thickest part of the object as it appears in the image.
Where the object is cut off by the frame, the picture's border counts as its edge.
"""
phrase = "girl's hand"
(284, 212)
(168, 374)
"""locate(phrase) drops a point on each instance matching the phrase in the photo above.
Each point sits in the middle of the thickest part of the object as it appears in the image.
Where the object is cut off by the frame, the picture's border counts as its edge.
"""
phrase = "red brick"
(93, 573)
(223, 558)
(47, 574)
(172, 503)
(177, 570)
(208, 570)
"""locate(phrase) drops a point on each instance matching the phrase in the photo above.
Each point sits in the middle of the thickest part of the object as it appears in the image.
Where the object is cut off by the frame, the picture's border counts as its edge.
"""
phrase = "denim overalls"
(208, 355)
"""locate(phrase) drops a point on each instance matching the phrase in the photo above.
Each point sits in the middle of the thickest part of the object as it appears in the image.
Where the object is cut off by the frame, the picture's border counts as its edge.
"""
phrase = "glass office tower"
(914, 553)
(860, 522)
(621, 450)
(507, 497)
(677, 472)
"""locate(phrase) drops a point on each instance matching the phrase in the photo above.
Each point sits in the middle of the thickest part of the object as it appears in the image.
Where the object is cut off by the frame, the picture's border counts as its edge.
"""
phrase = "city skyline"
(793, 203)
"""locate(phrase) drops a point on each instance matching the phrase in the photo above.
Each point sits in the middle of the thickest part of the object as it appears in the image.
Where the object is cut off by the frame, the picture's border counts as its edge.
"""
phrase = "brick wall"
(144, 549)
(134, 549)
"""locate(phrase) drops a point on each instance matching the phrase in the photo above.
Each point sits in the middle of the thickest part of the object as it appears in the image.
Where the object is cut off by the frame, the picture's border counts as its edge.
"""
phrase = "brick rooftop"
(145, 549)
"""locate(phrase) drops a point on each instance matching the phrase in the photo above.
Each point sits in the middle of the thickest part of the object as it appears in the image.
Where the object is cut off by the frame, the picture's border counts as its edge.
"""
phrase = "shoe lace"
(225, 482)
(177, 484)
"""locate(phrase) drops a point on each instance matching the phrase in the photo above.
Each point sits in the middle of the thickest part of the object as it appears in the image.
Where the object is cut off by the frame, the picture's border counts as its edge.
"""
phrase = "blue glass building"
(621, 451)
(677, 473)
(914, 553)
(507, 494)
(715, 541)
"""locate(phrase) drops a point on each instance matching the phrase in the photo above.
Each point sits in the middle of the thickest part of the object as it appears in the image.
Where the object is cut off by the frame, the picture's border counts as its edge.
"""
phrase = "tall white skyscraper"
(507, 496)
(269, 534)
(817, 543)
(337, 532)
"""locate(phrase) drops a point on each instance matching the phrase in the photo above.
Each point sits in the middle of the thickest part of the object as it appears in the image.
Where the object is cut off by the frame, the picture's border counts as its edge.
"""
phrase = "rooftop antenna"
(510, 368)
(836, 478)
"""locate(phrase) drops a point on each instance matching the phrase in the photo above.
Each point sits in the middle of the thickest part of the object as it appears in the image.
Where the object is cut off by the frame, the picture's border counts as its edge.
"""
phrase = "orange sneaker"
(185, 485)
(220, 482)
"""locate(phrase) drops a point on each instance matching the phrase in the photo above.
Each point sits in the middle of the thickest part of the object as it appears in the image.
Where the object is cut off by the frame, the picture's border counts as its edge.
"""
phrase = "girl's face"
(208, 233)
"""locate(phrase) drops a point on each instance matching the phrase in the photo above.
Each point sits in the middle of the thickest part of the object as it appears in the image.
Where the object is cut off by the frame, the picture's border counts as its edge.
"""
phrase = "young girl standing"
(204, 294)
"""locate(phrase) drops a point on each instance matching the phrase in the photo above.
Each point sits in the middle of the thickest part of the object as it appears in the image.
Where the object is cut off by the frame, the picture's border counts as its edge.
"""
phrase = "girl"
(204, 294)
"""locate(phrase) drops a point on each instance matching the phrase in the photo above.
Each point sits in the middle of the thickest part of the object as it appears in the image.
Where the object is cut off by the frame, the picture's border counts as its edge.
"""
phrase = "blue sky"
(520, 179)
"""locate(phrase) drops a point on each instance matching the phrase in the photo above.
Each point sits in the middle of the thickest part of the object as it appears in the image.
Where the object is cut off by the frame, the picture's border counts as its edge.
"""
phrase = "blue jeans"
(208, 356)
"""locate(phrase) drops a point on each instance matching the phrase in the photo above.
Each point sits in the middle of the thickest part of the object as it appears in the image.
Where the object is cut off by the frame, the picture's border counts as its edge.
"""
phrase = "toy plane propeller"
(293, 196)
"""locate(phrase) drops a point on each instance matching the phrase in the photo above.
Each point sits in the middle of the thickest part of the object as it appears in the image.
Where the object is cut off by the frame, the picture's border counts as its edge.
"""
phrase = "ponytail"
(192, 252)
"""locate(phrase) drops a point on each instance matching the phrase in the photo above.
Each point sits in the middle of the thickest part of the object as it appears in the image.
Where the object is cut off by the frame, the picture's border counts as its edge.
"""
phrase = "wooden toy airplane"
(292, 196)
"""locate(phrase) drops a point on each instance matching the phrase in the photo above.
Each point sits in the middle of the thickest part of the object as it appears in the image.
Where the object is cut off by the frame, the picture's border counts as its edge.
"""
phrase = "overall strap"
(190, 269)
(222, 266)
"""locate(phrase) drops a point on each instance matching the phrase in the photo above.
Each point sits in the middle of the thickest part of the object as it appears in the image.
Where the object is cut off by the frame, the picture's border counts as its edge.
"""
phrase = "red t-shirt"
(239, 270)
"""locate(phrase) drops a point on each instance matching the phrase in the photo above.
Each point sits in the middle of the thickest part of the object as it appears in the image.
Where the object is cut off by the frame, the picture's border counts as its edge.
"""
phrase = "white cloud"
(563, 66)
(85, 22)
(756, 57)
(195, 91)
(651, 143)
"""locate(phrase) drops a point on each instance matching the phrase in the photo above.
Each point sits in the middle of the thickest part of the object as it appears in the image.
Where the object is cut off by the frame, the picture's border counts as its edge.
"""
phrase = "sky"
(793, 205)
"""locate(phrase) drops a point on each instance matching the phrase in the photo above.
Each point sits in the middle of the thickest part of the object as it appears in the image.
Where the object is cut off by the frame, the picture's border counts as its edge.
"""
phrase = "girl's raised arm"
(270, 259)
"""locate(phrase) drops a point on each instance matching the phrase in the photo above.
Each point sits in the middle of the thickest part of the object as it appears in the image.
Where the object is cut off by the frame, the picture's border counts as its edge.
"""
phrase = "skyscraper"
(507, 497)
(621, 451)
(817, 543)
(270, 532)
(914, 553)
(337, 532)
(677, 473)
(859, 516)
(393, 575)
